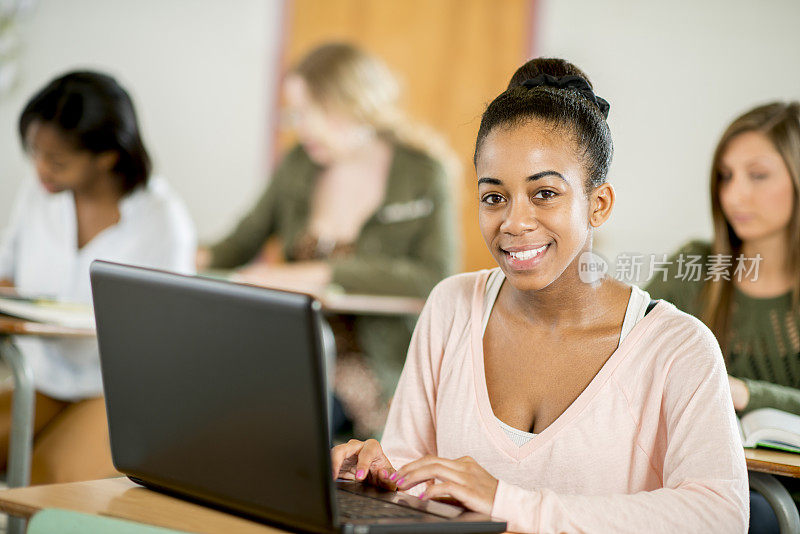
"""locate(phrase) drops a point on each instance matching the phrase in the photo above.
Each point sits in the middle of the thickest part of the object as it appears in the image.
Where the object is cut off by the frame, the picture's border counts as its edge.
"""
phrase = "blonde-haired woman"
(749, 291)
(362, 202)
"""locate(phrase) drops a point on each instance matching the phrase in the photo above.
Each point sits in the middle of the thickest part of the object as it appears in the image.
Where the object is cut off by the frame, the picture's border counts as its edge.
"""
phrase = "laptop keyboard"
(359, 507)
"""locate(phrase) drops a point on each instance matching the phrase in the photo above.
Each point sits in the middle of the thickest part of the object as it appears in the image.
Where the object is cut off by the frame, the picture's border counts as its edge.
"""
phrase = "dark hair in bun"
(537, 91)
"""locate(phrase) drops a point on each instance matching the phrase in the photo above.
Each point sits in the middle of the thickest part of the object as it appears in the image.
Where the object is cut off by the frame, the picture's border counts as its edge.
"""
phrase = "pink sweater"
(651, 445)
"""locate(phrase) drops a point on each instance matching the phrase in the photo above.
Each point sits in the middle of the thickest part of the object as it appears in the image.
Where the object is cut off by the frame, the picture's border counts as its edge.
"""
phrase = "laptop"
(216, 392)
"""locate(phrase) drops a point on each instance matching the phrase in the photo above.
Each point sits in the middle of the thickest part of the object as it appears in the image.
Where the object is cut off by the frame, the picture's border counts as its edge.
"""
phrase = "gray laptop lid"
(208, 394)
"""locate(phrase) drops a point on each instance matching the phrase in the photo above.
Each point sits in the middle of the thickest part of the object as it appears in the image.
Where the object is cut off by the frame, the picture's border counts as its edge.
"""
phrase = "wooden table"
(345, 304)
(773, 462)
(336, 302)
(20, 327)
(122, 499)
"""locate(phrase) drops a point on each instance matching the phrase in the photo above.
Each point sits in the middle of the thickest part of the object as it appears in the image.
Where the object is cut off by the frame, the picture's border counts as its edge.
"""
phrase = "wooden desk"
(334, 302)
(122, 499)
(20, 327)
(773, 462)
(370, 304)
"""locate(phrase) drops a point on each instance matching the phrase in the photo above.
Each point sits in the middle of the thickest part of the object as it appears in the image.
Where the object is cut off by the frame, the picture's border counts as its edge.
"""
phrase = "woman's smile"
(524, 257)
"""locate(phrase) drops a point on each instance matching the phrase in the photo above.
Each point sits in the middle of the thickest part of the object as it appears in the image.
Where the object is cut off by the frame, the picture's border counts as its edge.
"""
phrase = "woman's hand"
(202, 260)
(739, 393)
(362, 461)
(463, 480)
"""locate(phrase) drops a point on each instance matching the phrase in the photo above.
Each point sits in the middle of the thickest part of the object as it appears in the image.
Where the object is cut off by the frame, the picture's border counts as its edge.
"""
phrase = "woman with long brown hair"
(749, 290)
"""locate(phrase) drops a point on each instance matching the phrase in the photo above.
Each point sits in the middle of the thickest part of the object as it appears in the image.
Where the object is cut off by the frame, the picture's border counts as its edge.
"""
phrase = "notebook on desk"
(216, 392)
(68, 315)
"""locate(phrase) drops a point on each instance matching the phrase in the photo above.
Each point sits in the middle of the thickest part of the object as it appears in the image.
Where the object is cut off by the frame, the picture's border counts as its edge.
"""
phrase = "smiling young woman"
(555, 404)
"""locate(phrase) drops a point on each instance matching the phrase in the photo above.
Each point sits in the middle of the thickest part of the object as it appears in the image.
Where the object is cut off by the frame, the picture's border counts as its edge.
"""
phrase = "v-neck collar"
(492, 424)
(390, 193)
(124, 205)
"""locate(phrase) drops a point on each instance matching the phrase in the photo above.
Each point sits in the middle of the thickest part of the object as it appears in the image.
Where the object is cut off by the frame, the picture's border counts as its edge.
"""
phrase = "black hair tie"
(569, 82)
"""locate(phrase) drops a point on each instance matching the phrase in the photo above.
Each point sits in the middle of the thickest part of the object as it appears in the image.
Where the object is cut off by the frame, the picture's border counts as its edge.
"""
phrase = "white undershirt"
(637, 306)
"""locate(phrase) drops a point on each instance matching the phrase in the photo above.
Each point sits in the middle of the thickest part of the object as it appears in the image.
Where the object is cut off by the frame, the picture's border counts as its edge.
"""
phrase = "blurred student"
(94, 199)
(557, 403)
(748, 291)
(361, 202)
(753, 307)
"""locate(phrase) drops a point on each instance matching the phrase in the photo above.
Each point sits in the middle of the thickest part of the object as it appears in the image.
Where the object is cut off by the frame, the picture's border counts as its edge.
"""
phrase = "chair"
(55, 521)
(779, 499)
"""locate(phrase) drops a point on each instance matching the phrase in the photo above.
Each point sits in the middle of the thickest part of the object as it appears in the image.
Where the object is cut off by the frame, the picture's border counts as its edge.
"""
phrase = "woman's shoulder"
(423, 164)
(671, 319)
(32, 201)
(458, 291)
(450, 307)
(295, 170)
(674, 354)
(157, 202)
(671, 333)
(30, 190)
(681, 279)
(694, 247)
(157, 192)
(296, 155)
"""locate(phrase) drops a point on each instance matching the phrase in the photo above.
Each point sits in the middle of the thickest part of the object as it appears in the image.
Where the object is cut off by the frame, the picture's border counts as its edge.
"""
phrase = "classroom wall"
(199, 71)
(676, 73)
(203, 74)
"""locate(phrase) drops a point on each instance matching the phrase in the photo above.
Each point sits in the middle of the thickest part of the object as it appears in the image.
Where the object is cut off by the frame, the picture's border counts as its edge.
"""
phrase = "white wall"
(676, 73)
(200, 73)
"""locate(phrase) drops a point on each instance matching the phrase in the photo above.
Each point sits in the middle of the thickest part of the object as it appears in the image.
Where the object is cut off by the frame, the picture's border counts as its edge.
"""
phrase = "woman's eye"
(724, 176)
(492, 199)
(758, 175)
(545, 194)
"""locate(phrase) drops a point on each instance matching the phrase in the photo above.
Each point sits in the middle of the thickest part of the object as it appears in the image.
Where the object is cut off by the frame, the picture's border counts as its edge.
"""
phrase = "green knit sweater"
(764, 341)
(407, 246)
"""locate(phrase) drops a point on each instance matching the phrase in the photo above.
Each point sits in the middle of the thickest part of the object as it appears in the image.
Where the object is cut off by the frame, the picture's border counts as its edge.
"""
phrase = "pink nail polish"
(422, 495)
(400, 482)
(394, 476)
(360, 473)
(384, 473)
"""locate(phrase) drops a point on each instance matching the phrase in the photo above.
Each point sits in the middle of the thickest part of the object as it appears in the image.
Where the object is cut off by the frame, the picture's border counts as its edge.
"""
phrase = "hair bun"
(570, 81)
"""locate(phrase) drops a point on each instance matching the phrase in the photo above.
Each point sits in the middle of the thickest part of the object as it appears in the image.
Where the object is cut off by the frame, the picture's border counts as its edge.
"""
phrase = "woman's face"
(59, 165)
(756, 191)
(326, 135)
(534, 213)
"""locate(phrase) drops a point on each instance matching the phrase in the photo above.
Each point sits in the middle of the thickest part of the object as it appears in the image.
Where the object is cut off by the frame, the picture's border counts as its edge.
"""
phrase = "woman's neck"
(100, 190)
(772, 277)
(375, 148)
(568, 302)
